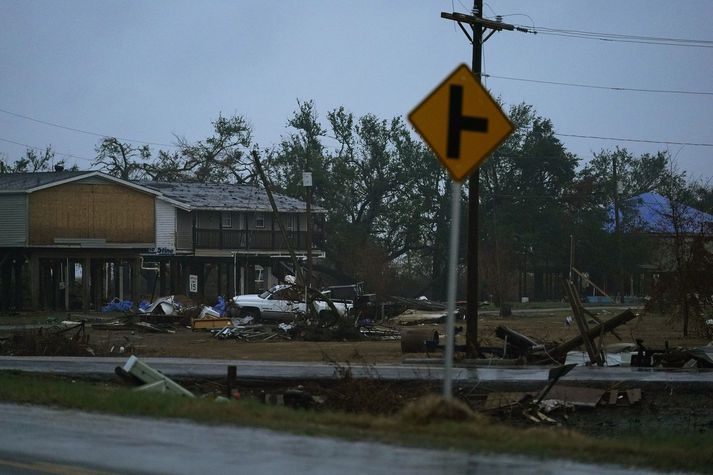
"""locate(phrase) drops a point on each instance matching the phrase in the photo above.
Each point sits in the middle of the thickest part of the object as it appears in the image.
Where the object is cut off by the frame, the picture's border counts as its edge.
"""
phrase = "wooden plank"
(592, 283)
(209, 323)
(561, 350)
(594, 355)
(112, 212)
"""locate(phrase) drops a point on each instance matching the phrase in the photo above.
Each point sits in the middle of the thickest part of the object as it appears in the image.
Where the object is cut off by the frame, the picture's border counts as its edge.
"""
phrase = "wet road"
(41, 440)
(267, 370)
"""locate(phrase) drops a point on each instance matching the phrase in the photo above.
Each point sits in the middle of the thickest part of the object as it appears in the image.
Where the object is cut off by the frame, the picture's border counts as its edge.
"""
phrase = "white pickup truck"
(282, 303)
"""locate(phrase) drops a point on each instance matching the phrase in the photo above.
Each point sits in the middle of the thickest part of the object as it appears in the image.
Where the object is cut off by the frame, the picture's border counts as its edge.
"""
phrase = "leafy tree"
(524, 221)
(377, 184)
(614, 177)
(222, 157)
(683, 239)
(33, 162)
(121, 159)
(167, 166)
(303, 149)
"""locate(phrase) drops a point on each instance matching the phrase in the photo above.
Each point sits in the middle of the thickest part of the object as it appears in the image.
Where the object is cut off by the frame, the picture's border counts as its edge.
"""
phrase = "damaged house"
(77, 239)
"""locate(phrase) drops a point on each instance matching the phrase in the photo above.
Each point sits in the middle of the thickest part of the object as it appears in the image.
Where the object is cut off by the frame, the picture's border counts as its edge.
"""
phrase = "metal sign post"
(463, 125)
(452, 285)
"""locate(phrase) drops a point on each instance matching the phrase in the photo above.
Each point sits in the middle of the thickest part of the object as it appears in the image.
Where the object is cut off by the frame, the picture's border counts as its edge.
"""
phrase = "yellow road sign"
(461, 123)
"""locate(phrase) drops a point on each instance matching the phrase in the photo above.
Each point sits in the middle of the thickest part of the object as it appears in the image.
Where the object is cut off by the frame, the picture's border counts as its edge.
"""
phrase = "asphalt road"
(38, 440)
(267, 370)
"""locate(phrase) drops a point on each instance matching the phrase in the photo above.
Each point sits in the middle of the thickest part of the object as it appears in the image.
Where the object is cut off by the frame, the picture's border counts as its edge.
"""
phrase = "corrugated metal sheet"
(165, 225)
(184, 230)
(13, 216)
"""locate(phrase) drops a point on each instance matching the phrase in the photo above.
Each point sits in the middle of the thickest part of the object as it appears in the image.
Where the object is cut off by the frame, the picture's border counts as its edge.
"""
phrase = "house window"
(259, 220)
(226, 220)
(291, 221)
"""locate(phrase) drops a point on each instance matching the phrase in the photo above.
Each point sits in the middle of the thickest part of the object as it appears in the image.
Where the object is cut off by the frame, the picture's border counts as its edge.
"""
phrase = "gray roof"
(226, 196)
(26, 181)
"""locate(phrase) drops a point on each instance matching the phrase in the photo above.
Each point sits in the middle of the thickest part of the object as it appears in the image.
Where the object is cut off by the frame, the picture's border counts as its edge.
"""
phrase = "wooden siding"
(165, 225)
(184, 229)
(13, 216)
(91, 211)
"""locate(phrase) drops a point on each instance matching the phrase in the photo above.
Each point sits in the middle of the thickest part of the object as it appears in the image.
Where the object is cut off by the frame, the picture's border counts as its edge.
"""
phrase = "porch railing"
(253, 239)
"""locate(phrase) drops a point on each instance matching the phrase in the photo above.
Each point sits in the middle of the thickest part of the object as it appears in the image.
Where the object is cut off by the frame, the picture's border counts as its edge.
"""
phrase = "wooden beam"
(592, 351)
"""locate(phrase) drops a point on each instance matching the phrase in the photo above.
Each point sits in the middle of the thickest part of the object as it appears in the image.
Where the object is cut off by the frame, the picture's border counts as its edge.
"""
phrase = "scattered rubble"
(56, 340)
(145, 378)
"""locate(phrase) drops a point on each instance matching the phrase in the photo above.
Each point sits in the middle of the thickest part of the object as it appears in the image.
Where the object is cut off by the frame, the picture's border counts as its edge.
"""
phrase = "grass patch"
(472, 433)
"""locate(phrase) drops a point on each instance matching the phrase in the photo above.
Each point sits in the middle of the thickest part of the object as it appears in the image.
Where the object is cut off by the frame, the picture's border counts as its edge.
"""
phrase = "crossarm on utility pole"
(474, 20)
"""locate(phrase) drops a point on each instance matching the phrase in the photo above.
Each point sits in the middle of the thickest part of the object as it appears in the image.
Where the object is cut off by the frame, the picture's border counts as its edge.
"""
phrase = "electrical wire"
(619, 38)
(68, 155)
(667, 142)
(593, 86)
(87, 132)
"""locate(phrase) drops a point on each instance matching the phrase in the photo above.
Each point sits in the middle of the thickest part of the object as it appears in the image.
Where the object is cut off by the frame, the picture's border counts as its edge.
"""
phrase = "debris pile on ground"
(67, 339)
(162, 306)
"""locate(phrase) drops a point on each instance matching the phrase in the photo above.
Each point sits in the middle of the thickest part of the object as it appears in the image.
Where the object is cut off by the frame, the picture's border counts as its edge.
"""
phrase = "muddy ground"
(684, 409)
(654, 329)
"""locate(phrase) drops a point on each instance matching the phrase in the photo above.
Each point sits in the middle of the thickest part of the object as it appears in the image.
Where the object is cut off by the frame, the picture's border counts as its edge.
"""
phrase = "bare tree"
(122, 159)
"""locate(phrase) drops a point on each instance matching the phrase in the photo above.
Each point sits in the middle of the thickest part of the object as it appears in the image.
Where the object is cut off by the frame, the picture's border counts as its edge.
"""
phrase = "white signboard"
(193, 283)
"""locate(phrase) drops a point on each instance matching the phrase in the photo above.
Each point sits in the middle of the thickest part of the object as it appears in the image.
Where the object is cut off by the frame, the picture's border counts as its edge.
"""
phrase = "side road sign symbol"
(461, 123)
(457, 122)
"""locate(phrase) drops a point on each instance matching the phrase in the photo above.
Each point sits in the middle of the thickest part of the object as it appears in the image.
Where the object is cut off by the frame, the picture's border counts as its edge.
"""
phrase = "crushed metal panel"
(153, 378)
(579, 396)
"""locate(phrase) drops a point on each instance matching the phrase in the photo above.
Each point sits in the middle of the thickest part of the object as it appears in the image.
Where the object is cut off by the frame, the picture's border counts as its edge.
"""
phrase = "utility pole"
(307, 183)
(617, 230)
(478, 26)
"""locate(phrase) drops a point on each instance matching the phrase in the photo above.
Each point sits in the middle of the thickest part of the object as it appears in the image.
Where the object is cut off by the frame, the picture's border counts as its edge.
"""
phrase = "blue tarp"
(652, 213)
(117, 305)
(220, 306)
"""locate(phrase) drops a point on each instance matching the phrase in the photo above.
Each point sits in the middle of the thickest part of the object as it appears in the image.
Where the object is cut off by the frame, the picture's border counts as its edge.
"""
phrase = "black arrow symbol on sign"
(457, 122)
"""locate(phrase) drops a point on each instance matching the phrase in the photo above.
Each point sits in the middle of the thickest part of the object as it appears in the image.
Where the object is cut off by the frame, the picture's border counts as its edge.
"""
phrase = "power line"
(622, 36)
(593, 86)
(667, 142)
(619, 38)
(69, 155)
(87, 132)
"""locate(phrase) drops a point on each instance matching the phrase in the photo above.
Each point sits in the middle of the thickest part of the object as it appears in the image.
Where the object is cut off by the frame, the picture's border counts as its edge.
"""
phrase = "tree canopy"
(387, 197)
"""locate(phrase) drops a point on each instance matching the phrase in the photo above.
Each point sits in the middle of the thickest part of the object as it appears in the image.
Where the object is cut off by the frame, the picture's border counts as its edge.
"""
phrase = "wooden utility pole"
(478, 26)
(619, 269)
(276, 216)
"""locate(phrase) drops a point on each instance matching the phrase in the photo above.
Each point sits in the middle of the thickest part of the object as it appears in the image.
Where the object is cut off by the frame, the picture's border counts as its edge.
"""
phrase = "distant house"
(654, 213)
(661, 221)
(76, 239)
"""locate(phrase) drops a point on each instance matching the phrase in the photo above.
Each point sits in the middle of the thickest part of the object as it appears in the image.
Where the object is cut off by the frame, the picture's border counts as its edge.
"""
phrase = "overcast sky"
(146, 70)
